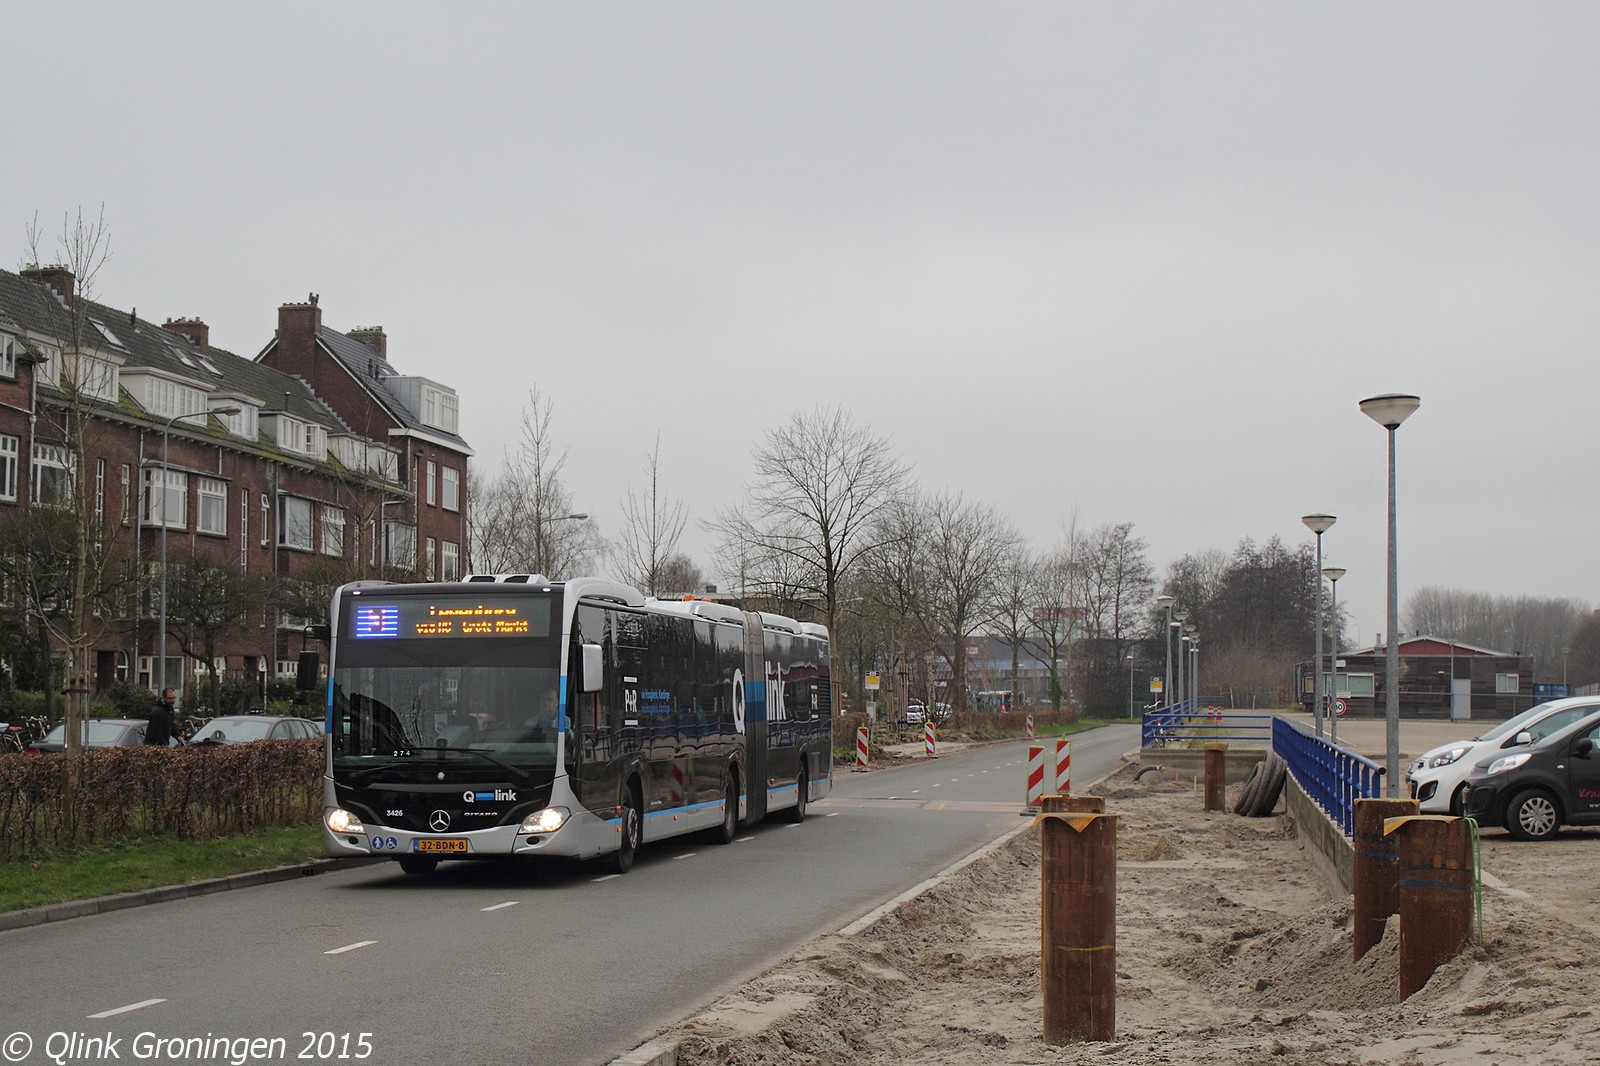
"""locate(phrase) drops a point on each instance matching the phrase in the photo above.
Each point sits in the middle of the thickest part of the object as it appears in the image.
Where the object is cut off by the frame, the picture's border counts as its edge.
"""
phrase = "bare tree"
(1533, 625)
(1014, 605)
(679, 576)
(968, 544)
(522, 520)
(810, 514)
(893, 583)
(1116, 581)
(651, 525)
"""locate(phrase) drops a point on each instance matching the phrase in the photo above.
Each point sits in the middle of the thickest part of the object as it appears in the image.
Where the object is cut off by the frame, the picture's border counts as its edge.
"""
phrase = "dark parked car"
(1535, 789)
(238, 729)
(100, 733)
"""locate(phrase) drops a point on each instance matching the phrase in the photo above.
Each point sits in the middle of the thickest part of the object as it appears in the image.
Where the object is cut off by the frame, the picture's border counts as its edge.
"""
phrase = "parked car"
(100, 733)
(1533, 789)
(916, 713)
(237, 729)
(1436, 776)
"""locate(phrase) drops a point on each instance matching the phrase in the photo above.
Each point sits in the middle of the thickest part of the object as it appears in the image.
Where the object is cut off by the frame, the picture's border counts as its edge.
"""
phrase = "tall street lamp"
(1333, 574)
(161, 624)
(1389, 410)
(1318, 524)
(1130, 685)
(1194, 670)
(1178, 618)
(1165, 603)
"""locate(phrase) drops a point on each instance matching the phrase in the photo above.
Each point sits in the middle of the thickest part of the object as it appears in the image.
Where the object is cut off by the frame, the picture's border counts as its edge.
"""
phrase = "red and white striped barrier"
(861, 748)
(1035, 792)
(1030, 727)
(1063, 767)
(927, 739)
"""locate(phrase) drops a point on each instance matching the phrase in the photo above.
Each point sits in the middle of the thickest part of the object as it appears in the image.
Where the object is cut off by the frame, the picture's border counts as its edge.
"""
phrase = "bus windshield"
(416, 694)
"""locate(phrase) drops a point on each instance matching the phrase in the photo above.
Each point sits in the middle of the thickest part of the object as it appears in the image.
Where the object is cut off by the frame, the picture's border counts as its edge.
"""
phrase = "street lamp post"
(1165, 603)
(1194, 670)
(1333, 574)
(1318, 524)
(1564, 690)
(1389, 410)
(161, 624)
(1130, 685)
(1178, 618)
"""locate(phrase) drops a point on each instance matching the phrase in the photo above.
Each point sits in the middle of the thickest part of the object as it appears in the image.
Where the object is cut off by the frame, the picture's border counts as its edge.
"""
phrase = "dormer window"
(8, 356)
(439, 409)
(111, 338)
(305, 438)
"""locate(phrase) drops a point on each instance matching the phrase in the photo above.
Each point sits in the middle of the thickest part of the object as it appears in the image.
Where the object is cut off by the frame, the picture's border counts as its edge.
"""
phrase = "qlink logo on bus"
(499, 795)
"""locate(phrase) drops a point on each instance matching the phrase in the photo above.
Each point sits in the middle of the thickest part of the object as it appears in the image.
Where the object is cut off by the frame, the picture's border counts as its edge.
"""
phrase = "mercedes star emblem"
(439, 821)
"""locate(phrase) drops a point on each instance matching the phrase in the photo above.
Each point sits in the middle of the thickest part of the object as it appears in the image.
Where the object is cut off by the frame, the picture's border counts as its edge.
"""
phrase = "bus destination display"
(450, 617)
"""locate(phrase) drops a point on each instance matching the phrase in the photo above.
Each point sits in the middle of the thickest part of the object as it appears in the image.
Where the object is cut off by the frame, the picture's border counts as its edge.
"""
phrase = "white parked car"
(1436, 776)
(916, 713)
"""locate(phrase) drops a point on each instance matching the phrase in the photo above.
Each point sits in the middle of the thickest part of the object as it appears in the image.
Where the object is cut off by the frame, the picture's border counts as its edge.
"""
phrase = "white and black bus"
(512, 715)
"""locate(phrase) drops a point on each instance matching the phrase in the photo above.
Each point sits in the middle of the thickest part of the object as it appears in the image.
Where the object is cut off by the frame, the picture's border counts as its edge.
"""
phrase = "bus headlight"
(546, 821)
(340, 820)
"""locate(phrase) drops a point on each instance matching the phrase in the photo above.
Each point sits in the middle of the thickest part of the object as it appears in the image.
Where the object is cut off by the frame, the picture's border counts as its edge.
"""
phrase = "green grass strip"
(128, 867)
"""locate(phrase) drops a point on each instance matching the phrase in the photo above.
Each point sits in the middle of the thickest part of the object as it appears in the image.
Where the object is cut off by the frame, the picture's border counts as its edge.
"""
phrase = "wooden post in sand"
(1216, 776)
(1078, 919)
(1375, 871)
(1436, 878)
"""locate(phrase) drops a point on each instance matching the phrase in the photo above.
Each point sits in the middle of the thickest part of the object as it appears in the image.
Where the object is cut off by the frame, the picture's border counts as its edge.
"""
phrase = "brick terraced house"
(314, 463)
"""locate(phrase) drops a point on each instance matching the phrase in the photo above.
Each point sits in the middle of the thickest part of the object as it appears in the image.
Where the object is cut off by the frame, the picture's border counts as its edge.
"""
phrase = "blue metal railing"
(1174, 725)
(1332, 776)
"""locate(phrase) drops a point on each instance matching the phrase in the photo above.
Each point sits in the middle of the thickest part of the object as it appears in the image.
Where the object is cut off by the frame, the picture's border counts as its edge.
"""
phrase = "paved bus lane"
(505, 962)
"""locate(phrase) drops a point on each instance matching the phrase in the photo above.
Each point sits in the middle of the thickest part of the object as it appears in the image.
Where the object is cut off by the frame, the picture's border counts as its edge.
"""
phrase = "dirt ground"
(1231, 948)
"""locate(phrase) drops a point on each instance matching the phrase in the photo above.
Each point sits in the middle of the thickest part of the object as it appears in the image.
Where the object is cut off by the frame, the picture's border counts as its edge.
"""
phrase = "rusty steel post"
(1216, 776)
(1059, 804)
(1375, 871)
(1435, 894)
(1078, 924)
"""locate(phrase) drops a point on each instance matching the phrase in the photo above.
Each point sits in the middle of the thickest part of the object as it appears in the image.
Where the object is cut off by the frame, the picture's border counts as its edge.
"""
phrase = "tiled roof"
(373, 371)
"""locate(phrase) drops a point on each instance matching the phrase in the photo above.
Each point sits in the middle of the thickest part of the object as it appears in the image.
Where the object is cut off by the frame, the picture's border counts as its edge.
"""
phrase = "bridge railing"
(1183, 725)
(1333, 777)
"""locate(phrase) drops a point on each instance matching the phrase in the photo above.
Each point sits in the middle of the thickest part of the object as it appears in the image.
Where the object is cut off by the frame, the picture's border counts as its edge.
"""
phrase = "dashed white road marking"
(113, 1012)
(351, 947)
(499, 906)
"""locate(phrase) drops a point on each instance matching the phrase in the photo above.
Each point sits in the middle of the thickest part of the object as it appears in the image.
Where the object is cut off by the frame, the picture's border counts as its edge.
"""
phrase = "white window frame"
(266, 520)
(294, 529)
(1507, 684)
(333, 531)
(244, 531)
(173, 485)
(430, 559)
(1361, 686)
(127, 493)
(8, 356)
(51, 457)
(400, 545)
(99, 492)
(449, 561)
(433, 473)
(211, 495)
(10, 450)
(450, 488)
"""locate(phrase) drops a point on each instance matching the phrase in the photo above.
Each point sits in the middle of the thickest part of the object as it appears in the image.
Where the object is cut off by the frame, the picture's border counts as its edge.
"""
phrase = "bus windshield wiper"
(367, 771)
(480, 753)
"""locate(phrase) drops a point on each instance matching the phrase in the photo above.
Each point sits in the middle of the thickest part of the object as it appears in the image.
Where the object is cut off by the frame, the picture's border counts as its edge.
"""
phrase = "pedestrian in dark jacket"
(159, 730)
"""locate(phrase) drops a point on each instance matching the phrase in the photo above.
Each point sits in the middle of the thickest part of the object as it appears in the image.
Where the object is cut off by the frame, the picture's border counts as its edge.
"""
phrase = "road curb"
(60, 912)
(664, 1052)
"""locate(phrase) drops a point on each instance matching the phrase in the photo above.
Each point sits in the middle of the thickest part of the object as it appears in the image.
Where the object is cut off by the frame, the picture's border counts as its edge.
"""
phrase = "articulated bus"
(513, 715)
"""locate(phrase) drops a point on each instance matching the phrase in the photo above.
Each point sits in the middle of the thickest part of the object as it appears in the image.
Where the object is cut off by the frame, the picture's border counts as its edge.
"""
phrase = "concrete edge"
(60, 912)
(662, 1051)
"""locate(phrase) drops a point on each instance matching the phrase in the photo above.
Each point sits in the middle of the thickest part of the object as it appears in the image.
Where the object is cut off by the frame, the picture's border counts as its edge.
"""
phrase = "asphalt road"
(505, 963)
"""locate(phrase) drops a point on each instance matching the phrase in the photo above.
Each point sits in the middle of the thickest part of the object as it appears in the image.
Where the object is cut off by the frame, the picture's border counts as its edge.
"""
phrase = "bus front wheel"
(628, 833)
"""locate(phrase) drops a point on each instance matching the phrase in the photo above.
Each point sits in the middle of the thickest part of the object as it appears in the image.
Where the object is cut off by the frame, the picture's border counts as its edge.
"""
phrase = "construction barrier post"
(1436, 875)
(1035, 783)
(1078, 926)
(1216, 776)
(1375, 871)
(927, 740)
(1064, 767)
(861, 748)
(1030, 727)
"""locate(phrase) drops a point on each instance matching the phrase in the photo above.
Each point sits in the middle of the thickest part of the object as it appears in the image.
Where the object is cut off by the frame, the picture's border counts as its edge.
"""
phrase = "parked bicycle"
(14, 736)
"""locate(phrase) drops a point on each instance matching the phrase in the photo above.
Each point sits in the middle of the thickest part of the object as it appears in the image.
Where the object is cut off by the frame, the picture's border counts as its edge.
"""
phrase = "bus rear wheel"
(417, 866)
(797, 814)
(729, 828)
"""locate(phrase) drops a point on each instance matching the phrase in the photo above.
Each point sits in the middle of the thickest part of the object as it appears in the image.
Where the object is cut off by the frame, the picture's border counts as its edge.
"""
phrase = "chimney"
(299, 326)
(58, 277)
(197, 332)
(373, 337)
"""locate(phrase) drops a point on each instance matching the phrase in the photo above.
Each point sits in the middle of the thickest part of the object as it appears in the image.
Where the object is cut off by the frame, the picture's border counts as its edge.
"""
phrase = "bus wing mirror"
(594, 674)
(305, 674)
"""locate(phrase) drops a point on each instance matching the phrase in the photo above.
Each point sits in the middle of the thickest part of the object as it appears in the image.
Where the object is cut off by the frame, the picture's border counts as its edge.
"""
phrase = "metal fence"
(1183, 725)
(1333, 777)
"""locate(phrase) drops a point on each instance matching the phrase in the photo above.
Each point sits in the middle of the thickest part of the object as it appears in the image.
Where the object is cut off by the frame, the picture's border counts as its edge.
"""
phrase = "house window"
(8, 467)
(48, 368)
(452, 488)
(8, 356)
(266, 520)
(1360, 686)
(450, 561)
(332, 531)
(433, 473)
(52, 475)
(294, 522)
(127, 493)
(99, 492)
(430, 559)
(1507, 684)
(244, 530)
(166, 498)
(400, 545)
(213, 516)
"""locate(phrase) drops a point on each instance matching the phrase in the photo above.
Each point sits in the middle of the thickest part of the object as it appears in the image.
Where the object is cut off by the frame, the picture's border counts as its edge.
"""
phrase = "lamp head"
(1333, 573)
(1181, 614)
(1390, 409)
(1319, 523)
(1165, 601)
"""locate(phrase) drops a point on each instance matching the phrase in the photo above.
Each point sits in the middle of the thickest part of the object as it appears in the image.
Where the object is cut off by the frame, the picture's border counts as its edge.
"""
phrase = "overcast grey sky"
(1133, 261)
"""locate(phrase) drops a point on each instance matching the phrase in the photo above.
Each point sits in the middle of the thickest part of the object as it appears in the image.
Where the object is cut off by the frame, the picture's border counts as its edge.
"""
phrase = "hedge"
(195, 793)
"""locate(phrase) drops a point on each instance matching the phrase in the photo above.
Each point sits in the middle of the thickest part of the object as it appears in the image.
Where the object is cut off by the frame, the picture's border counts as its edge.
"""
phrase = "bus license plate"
(436, 846)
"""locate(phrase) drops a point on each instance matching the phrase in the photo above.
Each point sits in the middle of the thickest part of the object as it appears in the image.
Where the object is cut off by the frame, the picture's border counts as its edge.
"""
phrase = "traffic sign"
(1340, 706)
